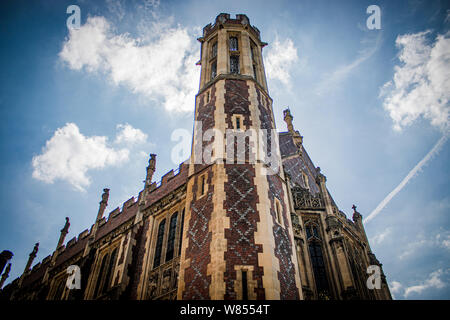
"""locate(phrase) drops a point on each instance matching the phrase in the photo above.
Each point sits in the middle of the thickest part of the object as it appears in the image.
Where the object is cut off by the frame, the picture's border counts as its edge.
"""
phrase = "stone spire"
(31, 258)
(298, 139)
(5, 275)
(63, 234)
(150, 170)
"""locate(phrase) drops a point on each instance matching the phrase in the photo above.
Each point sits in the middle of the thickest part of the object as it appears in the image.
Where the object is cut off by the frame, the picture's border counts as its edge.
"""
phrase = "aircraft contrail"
(410, 175)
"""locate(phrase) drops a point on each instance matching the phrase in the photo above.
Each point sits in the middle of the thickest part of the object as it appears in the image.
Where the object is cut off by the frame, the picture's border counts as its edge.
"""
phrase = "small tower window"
(238, 123)
(244, 285)
(254, 72)
(234, 44)
(214, 50)
(213, 70)
(203, 185)
(234, 64)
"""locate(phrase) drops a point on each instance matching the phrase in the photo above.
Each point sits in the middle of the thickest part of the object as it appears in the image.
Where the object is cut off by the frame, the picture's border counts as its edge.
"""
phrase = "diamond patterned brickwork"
(283, 243)
(198, 250)
(240, 206)
(205, 114)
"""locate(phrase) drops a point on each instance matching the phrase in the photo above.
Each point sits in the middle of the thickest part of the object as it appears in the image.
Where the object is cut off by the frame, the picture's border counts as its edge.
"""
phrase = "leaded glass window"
(234, 44)
(181, 233)
(315, 251)
(214, 50)
(159, 243)
(234, 64)
(213, 70)
(171, 239)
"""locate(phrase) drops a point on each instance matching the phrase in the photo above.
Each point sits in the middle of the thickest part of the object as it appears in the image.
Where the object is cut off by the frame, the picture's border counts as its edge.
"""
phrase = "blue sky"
(82, 109)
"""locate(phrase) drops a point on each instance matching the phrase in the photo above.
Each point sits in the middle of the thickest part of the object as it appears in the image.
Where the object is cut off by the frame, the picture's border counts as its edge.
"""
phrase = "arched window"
(171, 239)
(100, 275)
(159, 243)
(109, 274)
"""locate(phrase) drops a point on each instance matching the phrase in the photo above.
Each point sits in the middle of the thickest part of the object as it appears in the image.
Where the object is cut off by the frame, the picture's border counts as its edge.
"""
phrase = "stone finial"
(105, 196)
(288, 119)
(31, 257)
(5, 256)
(298, 139)
(356, 214)
(5, 275)
(64, 232)
(103, 204)
(150, 170)
(66, 226)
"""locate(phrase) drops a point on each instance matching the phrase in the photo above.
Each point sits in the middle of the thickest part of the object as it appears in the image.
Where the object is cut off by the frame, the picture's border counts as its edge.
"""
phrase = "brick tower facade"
(238, 240)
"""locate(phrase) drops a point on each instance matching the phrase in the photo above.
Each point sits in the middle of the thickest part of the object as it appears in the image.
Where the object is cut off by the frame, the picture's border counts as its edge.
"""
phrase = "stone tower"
(237, 240)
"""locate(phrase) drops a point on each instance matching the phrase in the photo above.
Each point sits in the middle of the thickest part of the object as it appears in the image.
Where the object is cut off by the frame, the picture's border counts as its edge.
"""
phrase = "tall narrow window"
(171, 239)
(238, 123)
(315, 251)
(244, 285)
(278, 211)
(159, 243)
(213, 70)
(109, 274)
(60, 290)
(214, 50)
(100, 275)
(203, 185)
(234, 64)
(234, 44)
(181, 233)
(254, 72)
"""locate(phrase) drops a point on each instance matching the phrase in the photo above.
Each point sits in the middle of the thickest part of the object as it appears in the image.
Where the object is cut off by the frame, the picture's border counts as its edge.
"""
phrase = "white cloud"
(128, 134)
(157, 67)
(379, 238)
(68, 155)
(395, 287)
(279, 59)
(441, 239)
(433, 281)
(421, 84)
